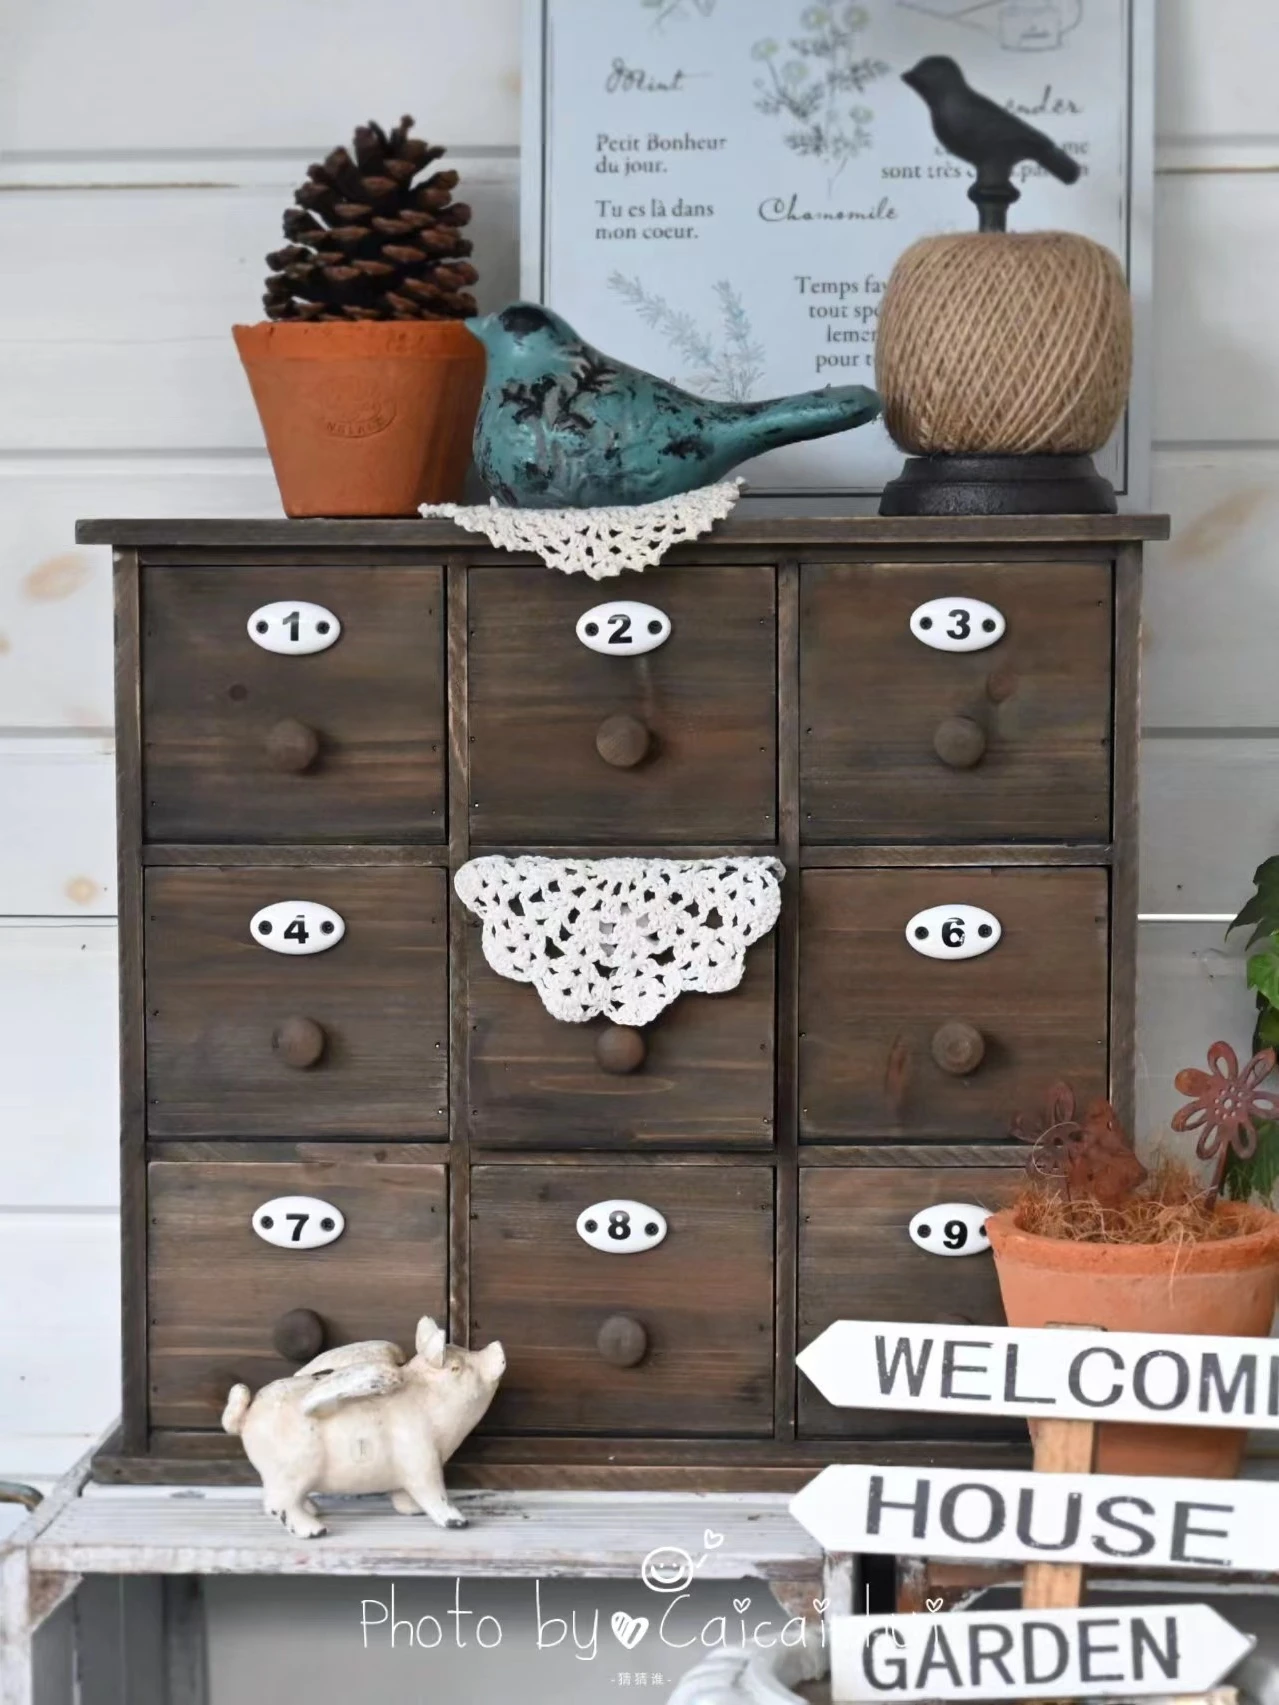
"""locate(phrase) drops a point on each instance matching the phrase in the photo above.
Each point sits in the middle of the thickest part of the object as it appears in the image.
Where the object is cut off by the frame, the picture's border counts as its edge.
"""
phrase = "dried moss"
(1172, 1206)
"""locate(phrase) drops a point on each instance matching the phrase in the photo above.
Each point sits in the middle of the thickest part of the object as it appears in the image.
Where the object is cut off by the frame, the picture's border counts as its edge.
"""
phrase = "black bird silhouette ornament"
(988, 136)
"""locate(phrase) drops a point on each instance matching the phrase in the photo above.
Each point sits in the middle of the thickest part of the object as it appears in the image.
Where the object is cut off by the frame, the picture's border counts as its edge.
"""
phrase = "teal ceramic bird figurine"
(562, 426)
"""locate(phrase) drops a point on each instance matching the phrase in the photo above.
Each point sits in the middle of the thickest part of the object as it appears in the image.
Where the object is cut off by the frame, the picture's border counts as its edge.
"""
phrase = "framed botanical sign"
(717, 190)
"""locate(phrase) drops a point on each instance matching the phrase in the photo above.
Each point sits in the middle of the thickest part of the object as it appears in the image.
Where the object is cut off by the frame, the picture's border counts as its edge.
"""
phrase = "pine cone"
(365, 243)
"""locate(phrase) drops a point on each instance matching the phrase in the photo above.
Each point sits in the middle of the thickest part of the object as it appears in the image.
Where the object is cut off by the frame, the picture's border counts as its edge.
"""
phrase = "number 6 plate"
(953, 932)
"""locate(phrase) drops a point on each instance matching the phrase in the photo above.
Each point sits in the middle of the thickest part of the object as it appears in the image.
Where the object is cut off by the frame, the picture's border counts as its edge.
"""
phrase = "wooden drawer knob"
(960, 742)
(622, 1341)
(291, 746)
(298, 1336)
(620, 1050)
(959, 1048)
(622, 741)
(300, 1043)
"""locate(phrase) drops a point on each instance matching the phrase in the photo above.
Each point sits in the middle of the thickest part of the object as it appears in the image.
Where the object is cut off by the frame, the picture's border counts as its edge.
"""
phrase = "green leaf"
(1262, 910)
(1266, 1035)
(1263, 972)
(1258, 1175)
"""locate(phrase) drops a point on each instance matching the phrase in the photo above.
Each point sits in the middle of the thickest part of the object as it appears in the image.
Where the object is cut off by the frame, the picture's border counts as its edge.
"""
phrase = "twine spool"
(1004, 343)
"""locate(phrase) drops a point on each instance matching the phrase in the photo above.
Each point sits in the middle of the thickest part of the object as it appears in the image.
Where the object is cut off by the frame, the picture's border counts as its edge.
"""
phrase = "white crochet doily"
(621, 938)
(599, 542)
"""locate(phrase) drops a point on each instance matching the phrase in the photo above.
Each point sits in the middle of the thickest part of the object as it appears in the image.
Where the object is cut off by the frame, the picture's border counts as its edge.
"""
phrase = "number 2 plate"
(297, 926)
(957, 624)
(621, 1227)
(623, 628)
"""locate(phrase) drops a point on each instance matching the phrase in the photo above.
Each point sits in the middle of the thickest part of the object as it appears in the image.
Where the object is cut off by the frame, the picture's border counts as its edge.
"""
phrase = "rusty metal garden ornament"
(1093, 1157)
(1227, 1103)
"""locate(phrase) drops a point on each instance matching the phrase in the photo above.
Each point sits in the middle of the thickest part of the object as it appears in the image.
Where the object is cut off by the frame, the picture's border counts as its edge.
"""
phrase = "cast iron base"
(999, 485)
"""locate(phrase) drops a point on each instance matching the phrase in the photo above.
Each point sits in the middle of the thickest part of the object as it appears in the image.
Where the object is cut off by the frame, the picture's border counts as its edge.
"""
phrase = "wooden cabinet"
(857, 1262)
(699, 1076)
(677, 1339)
(894, 1044)
(903, 742)
(219, 1296)
(242, 1041)
(783, 1132)
(692, 756)
(243, 744)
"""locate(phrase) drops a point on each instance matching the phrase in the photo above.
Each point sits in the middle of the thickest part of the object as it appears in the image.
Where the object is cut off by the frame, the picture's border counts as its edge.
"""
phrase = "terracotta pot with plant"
(366, 381)
(1094, 1239)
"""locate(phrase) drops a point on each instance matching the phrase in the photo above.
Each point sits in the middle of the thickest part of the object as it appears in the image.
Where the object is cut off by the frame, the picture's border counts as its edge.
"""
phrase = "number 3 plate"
(957, 624)
(620, 1227)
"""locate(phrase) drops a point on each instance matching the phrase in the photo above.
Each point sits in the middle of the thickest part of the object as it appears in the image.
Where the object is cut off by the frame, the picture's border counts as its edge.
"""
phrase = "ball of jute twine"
(1006, 343)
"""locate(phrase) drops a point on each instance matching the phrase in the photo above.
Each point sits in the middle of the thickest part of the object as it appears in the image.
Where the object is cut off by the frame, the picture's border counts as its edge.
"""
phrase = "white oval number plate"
(297, 926)
(623, 629)
(951, 1228)
(957, 624)
(620, 1227)
(953, 932)
(294, 628)
(298, 1222)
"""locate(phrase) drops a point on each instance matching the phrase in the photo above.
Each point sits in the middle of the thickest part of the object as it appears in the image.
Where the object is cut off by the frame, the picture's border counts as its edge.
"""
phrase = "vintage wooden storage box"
(451, 1130)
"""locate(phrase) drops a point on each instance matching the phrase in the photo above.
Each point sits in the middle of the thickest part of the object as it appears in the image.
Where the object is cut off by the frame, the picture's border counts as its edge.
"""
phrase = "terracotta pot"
(368, 418)
(1228, 1288)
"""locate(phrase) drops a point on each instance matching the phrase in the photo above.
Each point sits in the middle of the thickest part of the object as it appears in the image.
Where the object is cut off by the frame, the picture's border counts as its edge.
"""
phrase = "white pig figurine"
(362, 1419)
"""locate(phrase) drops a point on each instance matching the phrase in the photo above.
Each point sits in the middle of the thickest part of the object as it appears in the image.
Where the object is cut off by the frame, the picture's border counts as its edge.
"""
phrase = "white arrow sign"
(1018, 1654)
(1043, 1518)
(1063, 1373)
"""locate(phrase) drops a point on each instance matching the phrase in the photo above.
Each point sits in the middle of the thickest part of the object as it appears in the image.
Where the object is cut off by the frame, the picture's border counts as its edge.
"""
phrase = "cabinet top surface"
(791, 533)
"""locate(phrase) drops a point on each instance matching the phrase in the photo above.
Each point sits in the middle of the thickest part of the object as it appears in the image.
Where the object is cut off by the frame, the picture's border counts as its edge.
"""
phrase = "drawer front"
(243, 744)
(217, 1290)
(875, 1014)
(701, 1075)
(1024, 723)
(705, 699)
(857, 1262)
(691, 1319)
(232, 1026)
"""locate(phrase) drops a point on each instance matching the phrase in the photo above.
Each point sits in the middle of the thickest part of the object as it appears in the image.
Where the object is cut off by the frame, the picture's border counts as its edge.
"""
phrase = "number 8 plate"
(620, 1227)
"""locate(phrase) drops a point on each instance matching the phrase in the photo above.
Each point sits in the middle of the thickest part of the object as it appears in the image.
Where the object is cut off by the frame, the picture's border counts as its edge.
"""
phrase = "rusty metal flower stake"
(1227, 1103)
(1093, 1157)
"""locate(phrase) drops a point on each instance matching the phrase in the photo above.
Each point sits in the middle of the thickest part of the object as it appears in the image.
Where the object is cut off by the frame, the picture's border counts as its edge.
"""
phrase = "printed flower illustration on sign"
(816, 80)
(666, 11)
(727, 365)
(1228, 1102)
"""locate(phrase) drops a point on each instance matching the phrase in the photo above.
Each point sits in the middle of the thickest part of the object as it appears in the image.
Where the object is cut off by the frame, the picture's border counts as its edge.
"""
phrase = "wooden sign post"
(1057, 1519)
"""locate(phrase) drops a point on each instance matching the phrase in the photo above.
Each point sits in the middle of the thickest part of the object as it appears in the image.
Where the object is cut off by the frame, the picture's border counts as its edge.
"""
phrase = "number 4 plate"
(297, 926)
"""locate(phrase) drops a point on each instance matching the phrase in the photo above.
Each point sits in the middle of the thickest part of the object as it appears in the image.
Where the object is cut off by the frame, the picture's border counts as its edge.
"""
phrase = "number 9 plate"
(621, 1227)
(951, 1228)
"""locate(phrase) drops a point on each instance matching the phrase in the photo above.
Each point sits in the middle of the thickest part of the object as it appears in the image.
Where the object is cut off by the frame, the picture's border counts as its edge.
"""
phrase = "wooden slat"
(1212, 598)
(518, 1537)
(1190, 992)
(57, 849)
(847, 533)
(58, 1086)
(242, 76)
(59, 1338)
(1210, 814)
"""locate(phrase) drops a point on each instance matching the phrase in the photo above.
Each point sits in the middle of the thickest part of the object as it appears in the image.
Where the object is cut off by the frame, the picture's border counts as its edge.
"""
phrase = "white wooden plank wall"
(146, 151)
